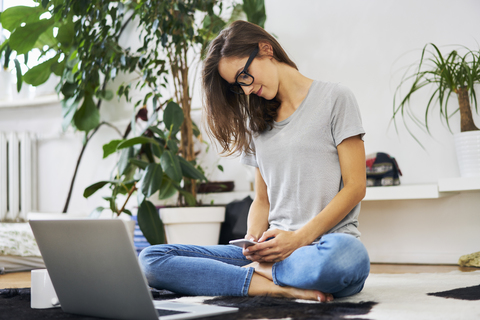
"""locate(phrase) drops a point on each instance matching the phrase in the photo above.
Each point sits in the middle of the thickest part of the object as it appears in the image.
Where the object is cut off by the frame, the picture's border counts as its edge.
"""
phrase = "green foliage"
(445, 75)
(81, 39)
(150, 223)
(173, 117)
(152, 179)
(255, 11)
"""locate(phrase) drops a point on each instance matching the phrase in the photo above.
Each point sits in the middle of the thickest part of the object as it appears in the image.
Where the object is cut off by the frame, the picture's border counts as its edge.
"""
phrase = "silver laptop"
(95, 272)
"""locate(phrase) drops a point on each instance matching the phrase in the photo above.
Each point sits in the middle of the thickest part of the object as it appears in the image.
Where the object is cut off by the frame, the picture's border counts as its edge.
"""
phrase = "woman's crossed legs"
(338, 264)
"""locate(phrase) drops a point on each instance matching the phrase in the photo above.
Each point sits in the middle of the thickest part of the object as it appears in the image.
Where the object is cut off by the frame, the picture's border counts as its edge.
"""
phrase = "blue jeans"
(338, 264)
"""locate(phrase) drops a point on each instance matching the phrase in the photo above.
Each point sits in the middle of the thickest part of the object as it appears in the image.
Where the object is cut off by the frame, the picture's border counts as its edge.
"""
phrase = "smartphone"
(242, 243)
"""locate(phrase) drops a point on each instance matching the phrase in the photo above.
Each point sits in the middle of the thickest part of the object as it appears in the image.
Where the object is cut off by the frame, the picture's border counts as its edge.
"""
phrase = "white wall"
(362, 44)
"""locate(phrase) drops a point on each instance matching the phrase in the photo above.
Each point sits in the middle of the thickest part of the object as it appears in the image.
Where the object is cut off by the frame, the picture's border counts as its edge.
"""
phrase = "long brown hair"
(232, 119)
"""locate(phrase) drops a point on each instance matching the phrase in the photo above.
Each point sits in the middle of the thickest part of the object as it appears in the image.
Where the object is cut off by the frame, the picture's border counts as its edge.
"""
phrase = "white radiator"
(18, 175)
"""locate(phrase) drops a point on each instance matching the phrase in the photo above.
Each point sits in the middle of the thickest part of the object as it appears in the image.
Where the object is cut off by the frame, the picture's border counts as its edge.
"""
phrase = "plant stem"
(187, 130)
(67, 202)
(128, 198)
(466, 119)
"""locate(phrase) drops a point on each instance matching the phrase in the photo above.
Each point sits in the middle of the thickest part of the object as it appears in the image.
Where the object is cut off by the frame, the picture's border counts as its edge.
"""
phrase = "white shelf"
(444, 188)
(459, 184)
(404, 192)
(37, 101)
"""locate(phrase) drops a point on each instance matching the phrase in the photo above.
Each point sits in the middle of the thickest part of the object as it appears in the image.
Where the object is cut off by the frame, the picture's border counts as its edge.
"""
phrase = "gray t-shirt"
(298, 158)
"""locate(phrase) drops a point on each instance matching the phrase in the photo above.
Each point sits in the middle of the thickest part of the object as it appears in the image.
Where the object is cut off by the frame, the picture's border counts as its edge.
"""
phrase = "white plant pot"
(193, 225)
(467, 145)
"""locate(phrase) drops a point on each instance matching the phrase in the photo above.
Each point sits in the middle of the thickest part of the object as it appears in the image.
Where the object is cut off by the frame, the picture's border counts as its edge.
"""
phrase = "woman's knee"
(335, 262)
(150, 256)
(344, 252)
(346, 262)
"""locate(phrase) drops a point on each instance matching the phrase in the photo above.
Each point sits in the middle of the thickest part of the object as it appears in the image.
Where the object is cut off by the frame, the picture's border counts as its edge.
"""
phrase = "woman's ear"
(265, 48)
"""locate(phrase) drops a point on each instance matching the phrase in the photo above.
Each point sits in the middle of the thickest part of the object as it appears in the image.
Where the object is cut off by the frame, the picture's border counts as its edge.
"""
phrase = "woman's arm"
(257, 222)
(351, 155)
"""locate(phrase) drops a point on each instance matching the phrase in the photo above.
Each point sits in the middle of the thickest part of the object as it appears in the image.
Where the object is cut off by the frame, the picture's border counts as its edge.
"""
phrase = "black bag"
(382, 170)
(235, 224)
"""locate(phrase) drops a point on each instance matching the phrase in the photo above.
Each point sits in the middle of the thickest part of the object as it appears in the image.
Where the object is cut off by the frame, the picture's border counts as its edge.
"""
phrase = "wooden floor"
(22, 279)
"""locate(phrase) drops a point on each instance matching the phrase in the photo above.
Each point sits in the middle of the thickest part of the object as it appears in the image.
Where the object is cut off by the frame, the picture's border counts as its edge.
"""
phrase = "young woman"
(304, 138)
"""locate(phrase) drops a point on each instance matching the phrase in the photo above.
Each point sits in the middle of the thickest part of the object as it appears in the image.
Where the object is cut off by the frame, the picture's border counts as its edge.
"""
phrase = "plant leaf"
(46, 38)
(139, 163)
(13, 17)
(136, 140)
(158, 132)
(171, 166)
(167, 189)
(172, 146)
(94, 188)
(190, 171)
(173, 117)
(66, 33)
(255, 10)
(124, 162)
(87, 117)
(150, 223)
(110, 147)
(23, 39)
(19, 75)
(151, 179)
(40, 73)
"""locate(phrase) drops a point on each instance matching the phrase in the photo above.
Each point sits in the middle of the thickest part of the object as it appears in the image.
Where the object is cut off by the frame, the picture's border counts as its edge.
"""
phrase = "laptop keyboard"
(165, 312)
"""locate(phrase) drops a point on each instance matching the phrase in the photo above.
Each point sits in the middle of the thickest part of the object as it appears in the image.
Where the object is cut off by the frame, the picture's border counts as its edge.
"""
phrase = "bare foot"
(307, 294)
(261, 286)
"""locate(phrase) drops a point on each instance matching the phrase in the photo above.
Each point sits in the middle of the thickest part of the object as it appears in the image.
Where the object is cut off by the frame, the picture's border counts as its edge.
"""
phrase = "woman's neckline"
(289, 118)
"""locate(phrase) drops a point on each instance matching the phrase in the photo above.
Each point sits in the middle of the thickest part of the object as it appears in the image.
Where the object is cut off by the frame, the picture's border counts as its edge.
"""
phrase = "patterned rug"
(450, 296)
(424, 296)
(15, 304)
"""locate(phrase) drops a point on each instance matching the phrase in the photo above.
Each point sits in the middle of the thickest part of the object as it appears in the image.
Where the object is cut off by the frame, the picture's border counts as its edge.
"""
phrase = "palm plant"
(454, 73)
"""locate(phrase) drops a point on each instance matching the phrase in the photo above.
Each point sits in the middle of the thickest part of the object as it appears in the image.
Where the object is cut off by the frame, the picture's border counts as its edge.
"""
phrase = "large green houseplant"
(156, 149)
(455, 73)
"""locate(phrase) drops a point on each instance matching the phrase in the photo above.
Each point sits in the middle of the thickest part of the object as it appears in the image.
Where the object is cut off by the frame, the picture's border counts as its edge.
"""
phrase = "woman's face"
(262, 69)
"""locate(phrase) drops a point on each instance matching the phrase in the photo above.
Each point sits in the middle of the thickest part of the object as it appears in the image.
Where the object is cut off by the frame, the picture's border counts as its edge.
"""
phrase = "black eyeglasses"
(244, 78)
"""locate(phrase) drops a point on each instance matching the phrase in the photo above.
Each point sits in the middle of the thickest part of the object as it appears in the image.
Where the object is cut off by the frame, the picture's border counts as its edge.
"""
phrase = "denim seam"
(274, 274)
(206, 255)
(248, 280)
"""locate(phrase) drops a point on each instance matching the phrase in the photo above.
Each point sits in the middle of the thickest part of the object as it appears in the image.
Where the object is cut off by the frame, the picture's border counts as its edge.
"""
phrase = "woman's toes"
(324, 297)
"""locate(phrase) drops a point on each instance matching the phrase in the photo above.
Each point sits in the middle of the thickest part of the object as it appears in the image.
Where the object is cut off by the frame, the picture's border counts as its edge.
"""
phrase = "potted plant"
(87, 55)
(157, 159)
(453, 73)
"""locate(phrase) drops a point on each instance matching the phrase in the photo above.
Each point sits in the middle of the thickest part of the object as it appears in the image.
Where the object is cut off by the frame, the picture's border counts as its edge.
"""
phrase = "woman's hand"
(279, 247)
